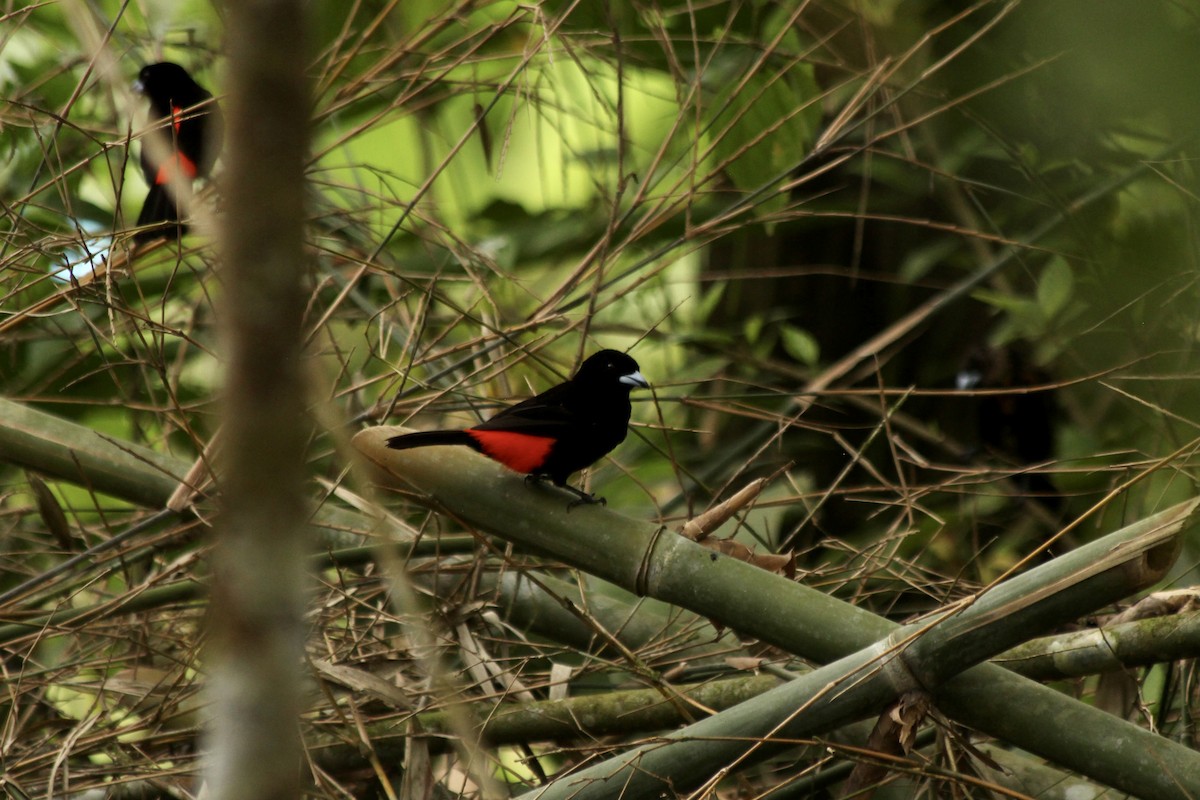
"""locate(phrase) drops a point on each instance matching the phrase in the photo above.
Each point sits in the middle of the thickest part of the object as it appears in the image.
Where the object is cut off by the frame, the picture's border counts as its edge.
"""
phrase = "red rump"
(185, 164)
(517, 451)
(166, 169)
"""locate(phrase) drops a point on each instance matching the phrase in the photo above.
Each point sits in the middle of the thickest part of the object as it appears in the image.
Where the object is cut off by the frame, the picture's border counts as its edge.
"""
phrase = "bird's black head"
(611, 368)
(169, 84)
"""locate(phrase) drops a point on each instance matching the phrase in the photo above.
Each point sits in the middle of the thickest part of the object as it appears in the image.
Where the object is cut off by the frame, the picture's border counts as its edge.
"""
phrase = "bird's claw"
(584, 499)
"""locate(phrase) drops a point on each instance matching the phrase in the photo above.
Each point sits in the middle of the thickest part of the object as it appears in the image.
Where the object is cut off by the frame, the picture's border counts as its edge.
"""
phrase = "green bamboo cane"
(58, 447)
(1142, 642)
(608, 713)
(695, 756)
(69, 451)
(648, 560)
(44, 438)
(1089, 652)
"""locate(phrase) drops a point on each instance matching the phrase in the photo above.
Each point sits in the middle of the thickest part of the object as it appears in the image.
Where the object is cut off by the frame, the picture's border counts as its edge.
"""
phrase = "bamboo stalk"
(54, 446)
(1089, 652)
(1021, 710)
(617, 712)
(648, 560)
(66, 450)
(861, 684)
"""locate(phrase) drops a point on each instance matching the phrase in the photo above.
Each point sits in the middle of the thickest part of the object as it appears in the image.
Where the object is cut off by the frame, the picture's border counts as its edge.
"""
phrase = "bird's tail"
(427, 438)
(158, 210)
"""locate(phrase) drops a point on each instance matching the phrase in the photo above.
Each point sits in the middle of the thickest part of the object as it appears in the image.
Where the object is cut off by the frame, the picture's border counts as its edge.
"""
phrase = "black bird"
(194, 133)
(560, 431)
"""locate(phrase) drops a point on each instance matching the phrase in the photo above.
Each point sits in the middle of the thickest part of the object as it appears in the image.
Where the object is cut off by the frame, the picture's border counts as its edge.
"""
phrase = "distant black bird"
(558, 432)
(194, 135)
(1020, 424)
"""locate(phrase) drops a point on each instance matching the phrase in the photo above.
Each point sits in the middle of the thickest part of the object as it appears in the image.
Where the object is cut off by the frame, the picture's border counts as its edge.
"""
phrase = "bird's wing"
(543, 415)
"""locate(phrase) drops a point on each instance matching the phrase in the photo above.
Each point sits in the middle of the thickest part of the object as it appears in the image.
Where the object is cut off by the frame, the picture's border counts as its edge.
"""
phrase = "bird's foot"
(582, 498)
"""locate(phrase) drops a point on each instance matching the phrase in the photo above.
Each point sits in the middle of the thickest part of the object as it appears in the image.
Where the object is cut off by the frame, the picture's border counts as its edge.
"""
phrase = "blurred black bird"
(1017, 425)
(194, 133)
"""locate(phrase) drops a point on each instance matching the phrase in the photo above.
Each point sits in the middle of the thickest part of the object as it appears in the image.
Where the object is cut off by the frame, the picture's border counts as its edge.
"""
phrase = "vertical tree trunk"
(253, 744)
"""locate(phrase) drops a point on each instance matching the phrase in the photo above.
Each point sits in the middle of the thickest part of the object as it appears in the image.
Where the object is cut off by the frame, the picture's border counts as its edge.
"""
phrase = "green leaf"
(709, 300)
(761, 127)
(922, 260)
(752, 328)
(800, 344)
(1054, 286)
(1014, 304)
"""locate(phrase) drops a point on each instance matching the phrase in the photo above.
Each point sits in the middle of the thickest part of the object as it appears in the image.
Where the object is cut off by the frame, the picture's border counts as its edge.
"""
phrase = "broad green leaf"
(762, 126)
(752, 328)
(800, 344)
(1054, 286)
